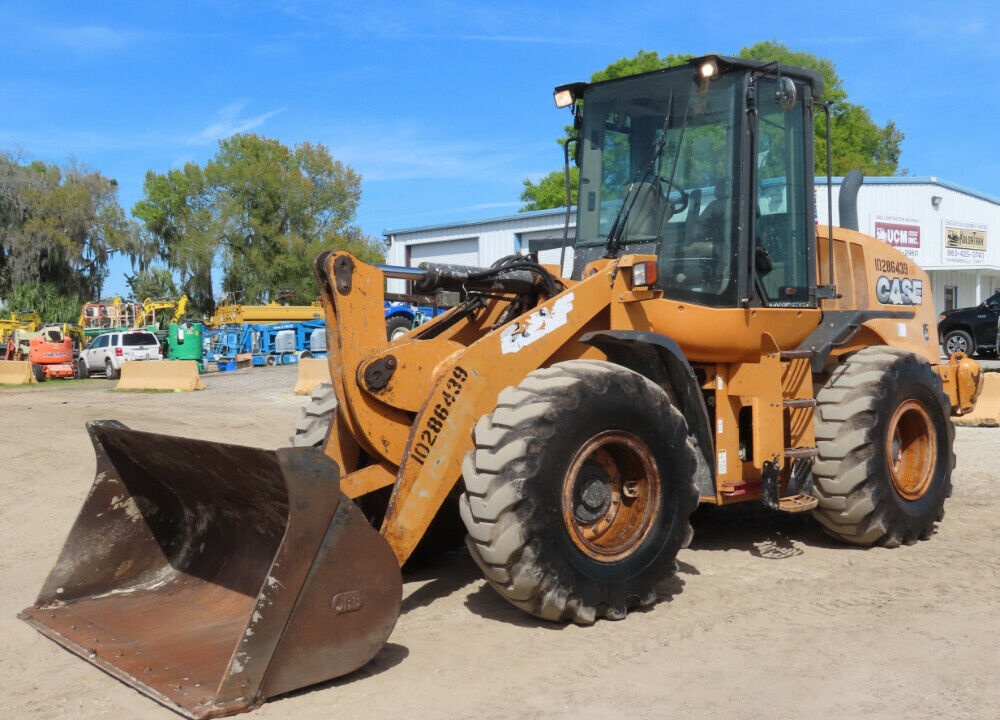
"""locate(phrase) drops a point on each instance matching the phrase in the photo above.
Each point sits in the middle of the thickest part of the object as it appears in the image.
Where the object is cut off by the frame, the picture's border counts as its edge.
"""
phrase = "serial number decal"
(435, 419)
(891, 267)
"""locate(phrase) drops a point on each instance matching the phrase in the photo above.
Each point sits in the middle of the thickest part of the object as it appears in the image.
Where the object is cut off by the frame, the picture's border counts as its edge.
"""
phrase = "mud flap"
(211, 576)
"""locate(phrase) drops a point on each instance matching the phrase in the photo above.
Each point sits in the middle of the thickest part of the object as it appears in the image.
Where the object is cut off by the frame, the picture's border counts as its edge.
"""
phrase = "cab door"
(99, 352)
(782, 218)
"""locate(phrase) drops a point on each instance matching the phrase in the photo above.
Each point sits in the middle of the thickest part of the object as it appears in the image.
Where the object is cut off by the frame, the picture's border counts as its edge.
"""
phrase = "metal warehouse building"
(949, 231)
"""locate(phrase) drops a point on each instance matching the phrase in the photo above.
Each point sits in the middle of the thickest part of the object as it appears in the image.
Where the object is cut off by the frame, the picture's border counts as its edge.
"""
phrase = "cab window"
(783, 229)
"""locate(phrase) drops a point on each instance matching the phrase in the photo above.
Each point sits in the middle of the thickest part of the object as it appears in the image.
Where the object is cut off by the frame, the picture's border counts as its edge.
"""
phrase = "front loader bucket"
(211, 577)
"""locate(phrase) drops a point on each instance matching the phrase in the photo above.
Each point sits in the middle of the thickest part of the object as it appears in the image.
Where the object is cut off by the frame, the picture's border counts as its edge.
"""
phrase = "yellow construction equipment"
(159, 375)
(147, 316)
(230, 312)
(27, 321)
(713, 345)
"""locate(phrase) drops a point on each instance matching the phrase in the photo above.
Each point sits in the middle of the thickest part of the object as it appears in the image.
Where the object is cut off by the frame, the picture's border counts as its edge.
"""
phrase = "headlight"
(644, 273)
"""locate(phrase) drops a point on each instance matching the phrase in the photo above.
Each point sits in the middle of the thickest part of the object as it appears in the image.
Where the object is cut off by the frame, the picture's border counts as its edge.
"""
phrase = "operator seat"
(713, 217)
(647, 214)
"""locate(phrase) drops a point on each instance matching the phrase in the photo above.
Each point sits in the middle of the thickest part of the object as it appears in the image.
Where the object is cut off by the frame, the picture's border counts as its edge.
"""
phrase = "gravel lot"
(768, 617)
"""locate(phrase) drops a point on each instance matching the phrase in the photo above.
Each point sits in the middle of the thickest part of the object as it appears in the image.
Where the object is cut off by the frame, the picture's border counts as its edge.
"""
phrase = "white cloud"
(93, 38)
(230, 121)
(403, 154)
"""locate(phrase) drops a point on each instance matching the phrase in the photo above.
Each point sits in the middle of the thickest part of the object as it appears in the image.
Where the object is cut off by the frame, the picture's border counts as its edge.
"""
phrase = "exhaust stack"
(847, 202)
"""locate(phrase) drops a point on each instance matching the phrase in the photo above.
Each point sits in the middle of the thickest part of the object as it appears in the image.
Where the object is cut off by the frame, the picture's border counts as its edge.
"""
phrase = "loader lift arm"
(391, 428)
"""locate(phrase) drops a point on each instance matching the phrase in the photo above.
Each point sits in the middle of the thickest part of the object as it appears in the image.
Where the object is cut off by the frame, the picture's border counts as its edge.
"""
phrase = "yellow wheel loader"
(713, 344)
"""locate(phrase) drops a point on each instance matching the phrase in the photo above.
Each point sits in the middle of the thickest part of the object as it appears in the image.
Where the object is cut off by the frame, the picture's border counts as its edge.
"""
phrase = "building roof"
(533, 214)
(908, 180)
(561, 212)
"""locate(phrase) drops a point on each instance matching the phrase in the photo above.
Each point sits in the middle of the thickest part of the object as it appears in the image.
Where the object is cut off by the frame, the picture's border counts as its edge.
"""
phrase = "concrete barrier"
(16, 372)
(987, 411)
(312, 372)
(160, 375)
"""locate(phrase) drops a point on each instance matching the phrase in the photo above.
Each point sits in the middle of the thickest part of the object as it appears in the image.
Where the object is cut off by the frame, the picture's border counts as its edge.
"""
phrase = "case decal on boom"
(540, 323)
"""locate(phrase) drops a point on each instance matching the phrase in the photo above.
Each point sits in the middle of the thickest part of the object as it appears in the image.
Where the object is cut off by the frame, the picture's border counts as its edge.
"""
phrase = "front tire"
(316, 418)
(958, 341)
(578, 494)
(445, 531)
(885, 441)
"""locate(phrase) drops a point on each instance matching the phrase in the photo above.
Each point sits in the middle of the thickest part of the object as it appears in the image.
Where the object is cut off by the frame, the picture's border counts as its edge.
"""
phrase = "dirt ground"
(768, 618)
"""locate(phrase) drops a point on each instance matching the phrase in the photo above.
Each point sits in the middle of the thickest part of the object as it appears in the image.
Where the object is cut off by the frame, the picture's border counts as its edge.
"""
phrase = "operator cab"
(708, 166)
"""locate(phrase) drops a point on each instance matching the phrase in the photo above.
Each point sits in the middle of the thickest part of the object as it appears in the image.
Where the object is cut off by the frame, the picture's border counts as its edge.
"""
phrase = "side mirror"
(786, 94)
(762, 261)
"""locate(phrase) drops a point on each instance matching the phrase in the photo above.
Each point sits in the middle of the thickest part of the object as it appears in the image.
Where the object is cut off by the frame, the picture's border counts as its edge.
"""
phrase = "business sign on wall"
(902, 233)
(964, 243)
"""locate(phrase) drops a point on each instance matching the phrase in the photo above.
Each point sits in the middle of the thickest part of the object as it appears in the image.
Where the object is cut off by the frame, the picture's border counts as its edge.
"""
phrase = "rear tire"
(38, 372)
(885, 437)
(110, 371)
(579, 491)
(81, 369)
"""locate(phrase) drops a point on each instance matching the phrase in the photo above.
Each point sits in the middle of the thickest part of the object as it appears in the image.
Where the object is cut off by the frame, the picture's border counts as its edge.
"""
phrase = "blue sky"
(443, 107)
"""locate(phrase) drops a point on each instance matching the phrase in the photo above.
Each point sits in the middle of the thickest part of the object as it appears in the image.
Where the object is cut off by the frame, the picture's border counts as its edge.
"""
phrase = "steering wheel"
(678, 203)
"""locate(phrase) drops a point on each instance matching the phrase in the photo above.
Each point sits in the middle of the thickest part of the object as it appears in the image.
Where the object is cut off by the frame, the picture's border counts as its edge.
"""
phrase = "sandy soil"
(768, 618)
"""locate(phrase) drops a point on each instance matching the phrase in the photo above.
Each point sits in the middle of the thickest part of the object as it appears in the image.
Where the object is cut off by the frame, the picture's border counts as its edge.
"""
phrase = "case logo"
(899, 291)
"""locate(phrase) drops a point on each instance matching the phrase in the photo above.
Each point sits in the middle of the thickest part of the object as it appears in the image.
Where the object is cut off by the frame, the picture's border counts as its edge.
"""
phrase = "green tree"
(58, 228)
(181, 227)
(550, 191)
(153, 282)
(856, 140)
(47, 299)
(261, 212)
(643, 61)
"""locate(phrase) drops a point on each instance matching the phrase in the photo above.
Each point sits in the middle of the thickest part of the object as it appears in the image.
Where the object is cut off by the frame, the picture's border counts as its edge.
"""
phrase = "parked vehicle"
(49, 351)
(972, 330)
(401, 317)
(107, 352)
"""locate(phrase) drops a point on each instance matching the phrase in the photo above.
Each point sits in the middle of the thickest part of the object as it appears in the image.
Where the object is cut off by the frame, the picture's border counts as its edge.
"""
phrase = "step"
(797, 503)
(795, 354)
(799, 403)
(797, 453)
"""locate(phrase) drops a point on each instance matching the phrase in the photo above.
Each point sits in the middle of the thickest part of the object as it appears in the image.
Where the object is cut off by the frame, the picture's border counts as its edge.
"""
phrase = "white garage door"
(549, 246)
(454, 252)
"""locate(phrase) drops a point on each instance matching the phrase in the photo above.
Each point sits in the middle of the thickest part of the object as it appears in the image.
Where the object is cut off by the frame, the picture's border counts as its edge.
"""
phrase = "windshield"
(663, 183)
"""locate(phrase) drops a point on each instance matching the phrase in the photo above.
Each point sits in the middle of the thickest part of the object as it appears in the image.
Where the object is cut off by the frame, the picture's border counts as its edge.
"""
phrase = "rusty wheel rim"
(611, 496)
(911, 448)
